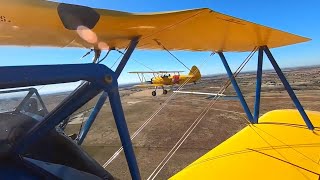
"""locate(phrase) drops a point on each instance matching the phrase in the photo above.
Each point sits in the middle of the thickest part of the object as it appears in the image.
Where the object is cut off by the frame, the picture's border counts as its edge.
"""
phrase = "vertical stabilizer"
(195, 72)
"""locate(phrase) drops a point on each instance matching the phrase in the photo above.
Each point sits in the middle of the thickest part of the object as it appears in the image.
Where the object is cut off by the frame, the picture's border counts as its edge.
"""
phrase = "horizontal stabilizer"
(199, 93)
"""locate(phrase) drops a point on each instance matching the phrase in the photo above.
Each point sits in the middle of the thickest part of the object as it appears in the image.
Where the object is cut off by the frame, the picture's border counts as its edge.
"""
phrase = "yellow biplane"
(165, 78)
(282, 144)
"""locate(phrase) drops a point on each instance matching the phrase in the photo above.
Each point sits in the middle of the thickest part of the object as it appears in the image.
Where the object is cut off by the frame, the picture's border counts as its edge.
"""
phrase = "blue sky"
(293, 16)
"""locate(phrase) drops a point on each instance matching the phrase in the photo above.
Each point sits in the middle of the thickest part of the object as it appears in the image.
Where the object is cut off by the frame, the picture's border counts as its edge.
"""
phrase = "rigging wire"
(248, 123)
(159, 43)
(99, 61)
(135, 60)
(86, 54)
(198, 120)
(116, 61)
(273, 148)
(152, 116)
(82, 119)
(288, 162)
(285, 143)
(289, 146)
(121, 55)
(168, 157)
(252, 126)
(172, 25)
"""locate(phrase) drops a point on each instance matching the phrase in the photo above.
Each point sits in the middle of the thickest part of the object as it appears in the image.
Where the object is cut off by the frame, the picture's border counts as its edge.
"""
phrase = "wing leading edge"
(279, 147)
(64, 25)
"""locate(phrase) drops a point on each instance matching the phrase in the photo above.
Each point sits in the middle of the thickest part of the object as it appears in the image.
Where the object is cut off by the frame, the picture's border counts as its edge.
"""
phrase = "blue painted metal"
(59, 171)
(118, 114)
(84, 131)
(22, 76)
(236, 87)
(36, 75)
(288, 88)
(258, 86)
(16, 169)
(98, 77)
(134, 42)
(65, 109)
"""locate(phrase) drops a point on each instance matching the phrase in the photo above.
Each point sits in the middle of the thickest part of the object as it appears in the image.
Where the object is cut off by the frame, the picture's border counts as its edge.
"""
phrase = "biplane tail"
(195, 72)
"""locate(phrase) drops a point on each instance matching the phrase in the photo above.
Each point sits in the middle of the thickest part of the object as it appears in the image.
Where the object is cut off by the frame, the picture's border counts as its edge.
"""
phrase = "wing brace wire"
(159, 43)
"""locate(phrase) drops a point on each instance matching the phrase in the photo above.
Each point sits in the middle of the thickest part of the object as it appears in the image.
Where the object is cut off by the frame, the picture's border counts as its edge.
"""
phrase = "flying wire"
(152, 116)
(289, 146)
(136, 61)
(160, 44)
(286, 160)
(198, 120)
(104, 56)
(263, 139)
(172, 25)
(175, 24)
(164, 104)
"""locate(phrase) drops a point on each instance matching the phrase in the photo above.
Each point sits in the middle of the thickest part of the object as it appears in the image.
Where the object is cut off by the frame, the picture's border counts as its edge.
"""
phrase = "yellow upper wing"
(279, 147)
(43, 23)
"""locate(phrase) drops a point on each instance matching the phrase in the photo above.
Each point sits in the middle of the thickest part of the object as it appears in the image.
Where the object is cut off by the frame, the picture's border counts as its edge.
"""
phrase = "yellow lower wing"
(148, 85)
(279, 147)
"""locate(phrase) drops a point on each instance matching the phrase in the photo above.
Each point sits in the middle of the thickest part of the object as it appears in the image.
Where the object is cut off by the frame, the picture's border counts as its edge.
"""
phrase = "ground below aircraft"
(282, 144)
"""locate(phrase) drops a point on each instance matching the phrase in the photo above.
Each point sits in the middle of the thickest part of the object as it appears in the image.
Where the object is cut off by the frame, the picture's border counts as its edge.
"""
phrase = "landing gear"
(154, 93)
(165, 91)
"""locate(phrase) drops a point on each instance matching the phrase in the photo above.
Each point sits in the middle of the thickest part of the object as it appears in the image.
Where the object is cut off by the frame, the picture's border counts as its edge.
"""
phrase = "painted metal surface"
(236, 87)
(100, 78)
(51, 74)
(53, 33)
(22, 76)
(116, 106)
(258, 86)
(133, 43)
(59, 171)
(86, 127)
(288, 88)
(115, 103)
(66, 108)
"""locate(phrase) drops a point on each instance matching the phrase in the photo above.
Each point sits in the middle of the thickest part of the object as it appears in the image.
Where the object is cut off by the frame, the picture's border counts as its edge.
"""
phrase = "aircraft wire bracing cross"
(68, 25)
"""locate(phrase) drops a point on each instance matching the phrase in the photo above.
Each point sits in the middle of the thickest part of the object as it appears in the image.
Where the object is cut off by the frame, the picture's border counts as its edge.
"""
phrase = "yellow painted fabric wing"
(279, 147)
(148, 85)
(38, 23)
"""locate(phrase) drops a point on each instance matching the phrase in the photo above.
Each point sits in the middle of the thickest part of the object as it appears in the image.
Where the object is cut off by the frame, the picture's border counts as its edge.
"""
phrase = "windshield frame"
(97, 77)
(31, 92)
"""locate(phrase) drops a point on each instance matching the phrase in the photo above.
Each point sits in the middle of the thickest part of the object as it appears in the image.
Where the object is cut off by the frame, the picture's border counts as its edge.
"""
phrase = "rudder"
(195, 72)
